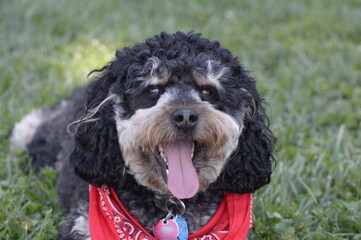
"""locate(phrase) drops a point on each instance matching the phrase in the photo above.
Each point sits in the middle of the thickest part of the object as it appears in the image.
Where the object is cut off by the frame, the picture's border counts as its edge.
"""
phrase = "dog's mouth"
(175, 160)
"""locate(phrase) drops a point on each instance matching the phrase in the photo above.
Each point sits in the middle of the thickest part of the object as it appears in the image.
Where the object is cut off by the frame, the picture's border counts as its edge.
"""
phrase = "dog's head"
(177, 112)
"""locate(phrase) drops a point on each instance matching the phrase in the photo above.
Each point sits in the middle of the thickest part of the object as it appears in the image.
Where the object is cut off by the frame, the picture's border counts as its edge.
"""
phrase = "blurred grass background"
(305, 56)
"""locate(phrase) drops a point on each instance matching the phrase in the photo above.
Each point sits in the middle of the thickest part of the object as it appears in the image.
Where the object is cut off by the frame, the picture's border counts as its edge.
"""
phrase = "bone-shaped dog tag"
(183, 228)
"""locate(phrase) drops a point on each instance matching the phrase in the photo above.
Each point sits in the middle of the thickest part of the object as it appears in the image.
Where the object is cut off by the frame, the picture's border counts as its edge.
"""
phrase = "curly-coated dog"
(170, 135)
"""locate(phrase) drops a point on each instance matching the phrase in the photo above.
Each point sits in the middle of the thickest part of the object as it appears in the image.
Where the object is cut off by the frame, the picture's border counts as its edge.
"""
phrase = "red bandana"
(108, 219)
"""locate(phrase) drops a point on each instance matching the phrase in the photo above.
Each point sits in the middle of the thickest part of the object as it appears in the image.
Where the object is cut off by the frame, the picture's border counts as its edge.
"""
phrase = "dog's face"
(179, 134)
(176, 106)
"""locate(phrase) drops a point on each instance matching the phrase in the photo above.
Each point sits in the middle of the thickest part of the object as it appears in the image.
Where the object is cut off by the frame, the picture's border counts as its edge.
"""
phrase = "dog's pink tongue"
(182, 177)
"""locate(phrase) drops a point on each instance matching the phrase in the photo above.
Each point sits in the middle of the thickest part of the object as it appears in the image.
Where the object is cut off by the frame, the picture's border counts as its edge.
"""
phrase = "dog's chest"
(149, 208)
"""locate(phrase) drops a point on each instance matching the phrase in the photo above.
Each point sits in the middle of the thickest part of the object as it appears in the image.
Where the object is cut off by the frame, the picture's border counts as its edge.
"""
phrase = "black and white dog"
(175, 117)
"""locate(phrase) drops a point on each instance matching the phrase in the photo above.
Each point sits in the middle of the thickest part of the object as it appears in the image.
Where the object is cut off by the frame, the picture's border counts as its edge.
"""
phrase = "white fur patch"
(132, 129)
(24, 130)
(81, 227)
(81, 223)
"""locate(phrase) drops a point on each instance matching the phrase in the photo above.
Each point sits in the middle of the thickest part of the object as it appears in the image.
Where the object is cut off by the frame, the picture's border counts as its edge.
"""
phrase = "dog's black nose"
(185, 119)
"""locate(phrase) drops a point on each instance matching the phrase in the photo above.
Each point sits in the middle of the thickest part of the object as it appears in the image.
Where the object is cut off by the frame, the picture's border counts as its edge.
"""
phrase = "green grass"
(305, 56)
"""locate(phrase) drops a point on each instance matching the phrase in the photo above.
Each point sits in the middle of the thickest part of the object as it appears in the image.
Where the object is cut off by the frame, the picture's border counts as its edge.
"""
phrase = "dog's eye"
(154, 91)
(206, 92)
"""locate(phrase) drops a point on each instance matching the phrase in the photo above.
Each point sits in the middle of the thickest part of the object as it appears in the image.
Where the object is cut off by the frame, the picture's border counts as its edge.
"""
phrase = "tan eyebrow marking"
(156, 78)
(200, 79)
(211, 77)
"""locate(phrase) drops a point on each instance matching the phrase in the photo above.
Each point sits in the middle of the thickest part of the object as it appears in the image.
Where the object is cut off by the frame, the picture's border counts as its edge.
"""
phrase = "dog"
(169, 128)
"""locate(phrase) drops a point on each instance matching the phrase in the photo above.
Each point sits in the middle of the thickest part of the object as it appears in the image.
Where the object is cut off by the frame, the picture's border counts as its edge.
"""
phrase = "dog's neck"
(148, 207)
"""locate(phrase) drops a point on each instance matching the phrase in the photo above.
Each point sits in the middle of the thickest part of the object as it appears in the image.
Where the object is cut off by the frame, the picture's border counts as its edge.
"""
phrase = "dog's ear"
(250, 166)
(96, 157)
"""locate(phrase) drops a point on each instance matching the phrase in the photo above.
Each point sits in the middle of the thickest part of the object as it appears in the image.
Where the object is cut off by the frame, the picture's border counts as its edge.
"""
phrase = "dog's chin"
(181, 168)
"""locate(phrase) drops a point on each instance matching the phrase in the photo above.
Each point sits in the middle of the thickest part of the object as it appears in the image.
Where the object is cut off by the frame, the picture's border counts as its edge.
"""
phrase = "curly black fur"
(97, 158)
(251, 165)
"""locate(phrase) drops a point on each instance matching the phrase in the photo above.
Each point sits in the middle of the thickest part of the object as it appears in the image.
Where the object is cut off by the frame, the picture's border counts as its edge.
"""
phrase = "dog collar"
(108, 218)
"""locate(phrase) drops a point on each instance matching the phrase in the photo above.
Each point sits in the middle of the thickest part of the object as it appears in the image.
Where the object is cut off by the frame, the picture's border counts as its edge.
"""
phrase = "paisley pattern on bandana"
(108, 219)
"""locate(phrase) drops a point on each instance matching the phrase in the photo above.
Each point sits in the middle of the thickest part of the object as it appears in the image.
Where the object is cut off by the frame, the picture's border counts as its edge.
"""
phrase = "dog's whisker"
(90, 114)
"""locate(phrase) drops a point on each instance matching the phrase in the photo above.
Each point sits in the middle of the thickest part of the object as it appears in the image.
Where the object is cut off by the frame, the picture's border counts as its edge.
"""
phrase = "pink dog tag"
(166, 230)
